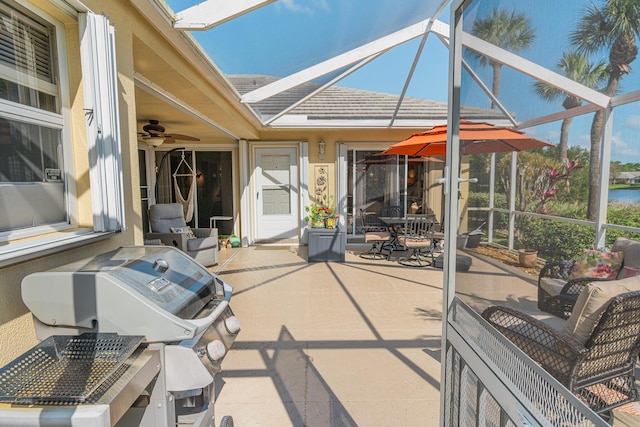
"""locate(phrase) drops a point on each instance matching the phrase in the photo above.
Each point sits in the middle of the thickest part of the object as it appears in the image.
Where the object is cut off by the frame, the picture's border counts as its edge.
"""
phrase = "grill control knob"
(160, 265)
(216, 350)
(232, 325)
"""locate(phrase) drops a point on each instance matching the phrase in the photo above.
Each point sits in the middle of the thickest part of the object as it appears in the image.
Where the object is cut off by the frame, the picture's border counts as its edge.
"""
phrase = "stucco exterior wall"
(16, 327)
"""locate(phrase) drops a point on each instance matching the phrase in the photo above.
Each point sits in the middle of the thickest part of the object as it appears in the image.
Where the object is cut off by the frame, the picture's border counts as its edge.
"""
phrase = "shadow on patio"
(354, 343)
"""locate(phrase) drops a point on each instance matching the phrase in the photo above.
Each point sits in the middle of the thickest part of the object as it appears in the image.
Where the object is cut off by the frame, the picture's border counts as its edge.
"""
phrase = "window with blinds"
(26, 60)
(32, 176)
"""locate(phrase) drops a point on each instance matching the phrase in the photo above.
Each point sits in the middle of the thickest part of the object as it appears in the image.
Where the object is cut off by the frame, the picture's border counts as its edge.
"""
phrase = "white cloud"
(622, 151)
(633, 121)
(310, 9)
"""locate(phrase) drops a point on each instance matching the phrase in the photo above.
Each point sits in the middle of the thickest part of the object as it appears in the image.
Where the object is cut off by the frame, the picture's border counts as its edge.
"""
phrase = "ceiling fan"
(154, 134)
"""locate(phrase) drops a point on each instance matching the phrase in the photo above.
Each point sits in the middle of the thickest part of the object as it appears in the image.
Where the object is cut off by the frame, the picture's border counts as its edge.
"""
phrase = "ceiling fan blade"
(183, 137)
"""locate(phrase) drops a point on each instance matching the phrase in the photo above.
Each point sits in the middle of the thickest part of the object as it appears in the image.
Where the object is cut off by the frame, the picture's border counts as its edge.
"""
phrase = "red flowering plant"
(546, 184)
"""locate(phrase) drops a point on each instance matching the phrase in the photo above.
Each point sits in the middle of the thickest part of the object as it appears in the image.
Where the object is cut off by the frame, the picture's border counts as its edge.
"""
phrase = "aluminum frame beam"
(527, 67)
(210, 13)
(355, 55)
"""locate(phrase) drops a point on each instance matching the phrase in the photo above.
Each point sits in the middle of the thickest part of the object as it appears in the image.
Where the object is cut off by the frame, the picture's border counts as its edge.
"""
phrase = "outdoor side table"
(213, 219)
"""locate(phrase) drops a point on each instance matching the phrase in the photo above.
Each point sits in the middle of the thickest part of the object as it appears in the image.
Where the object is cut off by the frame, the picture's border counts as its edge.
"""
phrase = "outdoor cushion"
(628, 272)
(552, 285)
(592, 302)
(163, 216)
(184, 230)
(597, 264)
(631, 249)
(376, 236)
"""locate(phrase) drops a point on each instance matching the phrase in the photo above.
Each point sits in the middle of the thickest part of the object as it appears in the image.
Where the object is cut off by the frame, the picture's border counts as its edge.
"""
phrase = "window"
(32, 178)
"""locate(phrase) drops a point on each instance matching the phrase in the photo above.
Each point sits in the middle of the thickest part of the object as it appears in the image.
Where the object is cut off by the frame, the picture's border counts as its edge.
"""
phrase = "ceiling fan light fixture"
(154, 140)
(153, 126)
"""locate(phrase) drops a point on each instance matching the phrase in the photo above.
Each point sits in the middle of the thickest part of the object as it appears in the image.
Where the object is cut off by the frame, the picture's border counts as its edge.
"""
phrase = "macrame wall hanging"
(187, 204)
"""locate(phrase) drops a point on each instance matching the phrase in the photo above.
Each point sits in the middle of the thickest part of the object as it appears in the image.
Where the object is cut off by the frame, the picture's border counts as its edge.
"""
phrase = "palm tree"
(507, 30)
(577, 67)
(613, 26)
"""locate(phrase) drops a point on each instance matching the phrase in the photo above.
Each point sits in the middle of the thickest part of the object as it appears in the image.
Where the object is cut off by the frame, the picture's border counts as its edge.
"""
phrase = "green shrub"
(622, 214)
(481, 200)
(555, 240)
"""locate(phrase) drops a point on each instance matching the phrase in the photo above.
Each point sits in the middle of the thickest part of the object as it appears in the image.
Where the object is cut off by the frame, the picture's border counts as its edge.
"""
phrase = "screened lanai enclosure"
(562, 72)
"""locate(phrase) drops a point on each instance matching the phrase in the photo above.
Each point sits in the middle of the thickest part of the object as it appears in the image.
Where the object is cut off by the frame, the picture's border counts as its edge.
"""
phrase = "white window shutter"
(99, 75)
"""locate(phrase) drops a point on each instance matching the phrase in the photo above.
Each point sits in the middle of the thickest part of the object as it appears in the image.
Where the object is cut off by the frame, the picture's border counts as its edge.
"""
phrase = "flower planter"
(331, 222)
(326, 244)
(318, 223)
(528, 257)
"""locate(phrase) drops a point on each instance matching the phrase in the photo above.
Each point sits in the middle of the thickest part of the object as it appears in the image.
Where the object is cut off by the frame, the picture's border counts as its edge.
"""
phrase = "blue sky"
(290, 35)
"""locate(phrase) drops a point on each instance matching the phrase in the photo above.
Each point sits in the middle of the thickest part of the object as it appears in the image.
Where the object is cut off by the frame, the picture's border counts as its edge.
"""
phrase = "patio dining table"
(397, 225)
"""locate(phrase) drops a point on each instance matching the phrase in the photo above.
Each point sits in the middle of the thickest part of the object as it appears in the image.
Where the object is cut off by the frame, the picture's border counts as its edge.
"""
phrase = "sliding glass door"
(398, 184)
(202, 178)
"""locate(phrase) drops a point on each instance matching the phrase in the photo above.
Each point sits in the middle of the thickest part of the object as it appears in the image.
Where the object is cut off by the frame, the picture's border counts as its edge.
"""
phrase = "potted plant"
(528, 257)
(320, 215)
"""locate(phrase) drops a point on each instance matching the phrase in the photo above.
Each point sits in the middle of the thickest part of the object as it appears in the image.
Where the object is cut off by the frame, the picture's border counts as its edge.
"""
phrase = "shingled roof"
(349, 106)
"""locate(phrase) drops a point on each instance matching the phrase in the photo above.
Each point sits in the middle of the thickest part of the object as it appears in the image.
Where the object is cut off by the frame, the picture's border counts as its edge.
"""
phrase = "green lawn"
(624, 186)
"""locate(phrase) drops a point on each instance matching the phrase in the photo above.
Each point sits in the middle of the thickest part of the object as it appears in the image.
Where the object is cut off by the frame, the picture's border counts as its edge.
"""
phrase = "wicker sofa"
(593, 353)
(557, 294)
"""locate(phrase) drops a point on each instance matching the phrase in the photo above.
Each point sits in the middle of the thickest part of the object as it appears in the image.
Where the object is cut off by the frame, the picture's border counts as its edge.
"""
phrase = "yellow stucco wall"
(16, 327)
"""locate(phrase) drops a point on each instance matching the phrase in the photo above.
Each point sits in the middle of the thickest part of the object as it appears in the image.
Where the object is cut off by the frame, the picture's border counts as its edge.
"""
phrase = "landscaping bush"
(555, 240)
(626, 214)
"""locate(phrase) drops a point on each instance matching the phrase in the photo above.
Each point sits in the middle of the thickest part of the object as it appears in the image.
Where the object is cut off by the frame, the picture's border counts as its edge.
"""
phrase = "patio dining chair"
(392, 211)
(377, 234)
(418, 238)
(594, 352)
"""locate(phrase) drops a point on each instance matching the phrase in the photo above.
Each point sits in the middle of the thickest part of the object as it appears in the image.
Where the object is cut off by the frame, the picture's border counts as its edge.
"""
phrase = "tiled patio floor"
(338, 344)
(331, 343)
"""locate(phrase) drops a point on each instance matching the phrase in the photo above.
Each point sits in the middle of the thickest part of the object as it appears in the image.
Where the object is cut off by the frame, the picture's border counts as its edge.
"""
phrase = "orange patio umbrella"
(475, 138)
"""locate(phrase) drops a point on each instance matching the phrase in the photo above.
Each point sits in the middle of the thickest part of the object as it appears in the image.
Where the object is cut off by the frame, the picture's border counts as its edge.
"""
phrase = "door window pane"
(276, 185)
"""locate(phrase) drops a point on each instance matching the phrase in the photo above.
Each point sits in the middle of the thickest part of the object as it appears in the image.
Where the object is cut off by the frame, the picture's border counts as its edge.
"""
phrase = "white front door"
(277, 192)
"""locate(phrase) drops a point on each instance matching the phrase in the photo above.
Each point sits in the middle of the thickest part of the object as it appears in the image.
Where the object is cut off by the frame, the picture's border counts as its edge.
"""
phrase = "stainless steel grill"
(65, 369)
(134, 336)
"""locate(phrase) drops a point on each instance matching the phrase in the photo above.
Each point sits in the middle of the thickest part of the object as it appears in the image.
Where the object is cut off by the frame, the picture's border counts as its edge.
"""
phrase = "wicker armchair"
(557, 295)
(600, 371)
(556, 274)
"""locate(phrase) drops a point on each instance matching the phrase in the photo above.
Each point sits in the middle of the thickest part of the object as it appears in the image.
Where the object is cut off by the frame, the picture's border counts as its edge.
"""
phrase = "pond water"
(625, 195)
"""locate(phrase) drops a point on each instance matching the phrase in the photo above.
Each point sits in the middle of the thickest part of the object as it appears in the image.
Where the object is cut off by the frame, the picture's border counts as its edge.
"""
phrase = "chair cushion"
(199, 244)
(163, 216)
(628, 272)
(377, 236)
(417, 243)
(184, 230)
(551, 285)
(631, 249)
(597, 264)
(592, 302)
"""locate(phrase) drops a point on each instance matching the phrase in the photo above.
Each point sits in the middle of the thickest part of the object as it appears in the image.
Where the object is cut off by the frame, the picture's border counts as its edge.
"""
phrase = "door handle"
(257, 195)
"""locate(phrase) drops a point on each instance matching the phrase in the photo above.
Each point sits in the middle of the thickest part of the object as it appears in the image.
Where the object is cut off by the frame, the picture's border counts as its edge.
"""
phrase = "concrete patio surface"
(345, 344)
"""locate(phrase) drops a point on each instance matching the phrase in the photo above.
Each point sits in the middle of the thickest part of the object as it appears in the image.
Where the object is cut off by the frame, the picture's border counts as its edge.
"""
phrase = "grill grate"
(65, 369)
